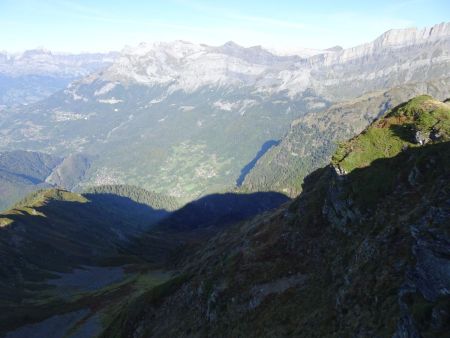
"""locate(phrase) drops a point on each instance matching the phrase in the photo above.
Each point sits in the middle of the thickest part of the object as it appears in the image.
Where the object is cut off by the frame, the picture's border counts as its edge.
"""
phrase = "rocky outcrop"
(261, 291)
(429, 278)
(420, 138)
(339, 208)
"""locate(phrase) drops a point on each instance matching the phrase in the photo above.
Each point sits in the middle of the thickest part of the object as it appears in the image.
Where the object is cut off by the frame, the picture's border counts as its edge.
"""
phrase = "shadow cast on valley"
(143, 215)
(208, 211)
(111, 230)
(249, 166)
(218, 210)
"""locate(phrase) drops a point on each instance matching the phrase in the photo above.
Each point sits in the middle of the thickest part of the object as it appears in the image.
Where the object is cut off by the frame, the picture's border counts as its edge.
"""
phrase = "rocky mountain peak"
(408, 36)
(41, 51)
(392, 39)
(177, 49)
(335, 49)
(189, 66)
(231, 44)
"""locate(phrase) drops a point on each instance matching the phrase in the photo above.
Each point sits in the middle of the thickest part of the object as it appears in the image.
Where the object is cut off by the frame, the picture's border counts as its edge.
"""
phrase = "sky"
(103, 25)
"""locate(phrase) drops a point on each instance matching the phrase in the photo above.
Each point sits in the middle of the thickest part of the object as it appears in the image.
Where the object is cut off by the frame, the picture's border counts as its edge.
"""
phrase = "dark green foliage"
(136, 194)
(138, 206)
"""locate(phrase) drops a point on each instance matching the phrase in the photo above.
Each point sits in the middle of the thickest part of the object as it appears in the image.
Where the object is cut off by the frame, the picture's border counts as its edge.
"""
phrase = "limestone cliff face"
(396, 57)
(392, 39)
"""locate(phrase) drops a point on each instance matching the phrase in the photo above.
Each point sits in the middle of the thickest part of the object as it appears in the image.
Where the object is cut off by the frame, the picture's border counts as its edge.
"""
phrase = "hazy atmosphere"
(75, 26)
(191, 168)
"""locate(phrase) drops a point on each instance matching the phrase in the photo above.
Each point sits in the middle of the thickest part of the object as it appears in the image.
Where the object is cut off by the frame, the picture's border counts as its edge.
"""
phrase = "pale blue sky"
(100, 25)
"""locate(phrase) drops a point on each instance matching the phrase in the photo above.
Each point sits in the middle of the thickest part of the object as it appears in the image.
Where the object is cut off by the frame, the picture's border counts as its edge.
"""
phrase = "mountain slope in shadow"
(364, 250)
(220, 210)
(54, 233)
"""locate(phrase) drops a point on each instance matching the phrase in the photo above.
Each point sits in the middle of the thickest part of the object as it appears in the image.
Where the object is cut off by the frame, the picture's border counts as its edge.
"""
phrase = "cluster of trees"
(139, 195)
(284, 167)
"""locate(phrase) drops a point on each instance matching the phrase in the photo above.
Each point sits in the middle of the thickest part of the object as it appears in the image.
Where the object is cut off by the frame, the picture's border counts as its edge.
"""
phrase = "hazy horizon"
(82, 26)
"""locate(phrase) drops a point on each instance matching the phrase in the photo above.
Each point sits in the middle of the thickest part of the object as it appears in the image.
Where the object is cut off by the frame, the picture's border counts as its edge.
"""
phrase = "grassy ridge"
(312, 139)
(420, 120)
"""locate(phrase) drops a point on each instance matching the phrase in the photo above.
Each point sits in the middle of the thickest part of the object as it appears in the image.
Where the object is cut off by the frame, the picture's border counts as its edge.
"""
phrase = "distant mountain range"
(36, 74)
(188, 120)
(335, 74)
(22, 172)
